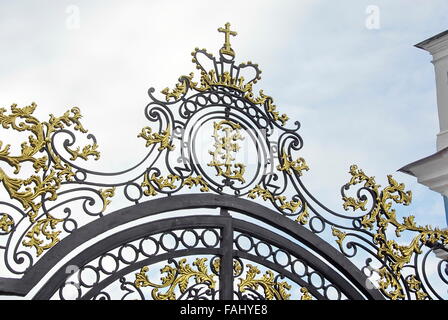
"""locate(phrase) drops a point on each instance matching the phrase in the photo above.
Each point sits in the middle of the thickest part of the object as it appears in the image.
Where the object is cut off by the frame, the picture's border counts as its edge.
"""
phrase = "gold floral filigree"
(270, 107)
(416, 286)
(196, 181)
(176, 277)
(305, 294)
(6, 223)
(164, 138)
(237, 267)
(283, 204)
(26, 191)
(272, 288)
(180, 89)
(43, 228)
(289, 165)
(258, 191)
(338, 234)
(159, 182)
(382, 216)
(210, 79)
(105, 195)
(87, 151)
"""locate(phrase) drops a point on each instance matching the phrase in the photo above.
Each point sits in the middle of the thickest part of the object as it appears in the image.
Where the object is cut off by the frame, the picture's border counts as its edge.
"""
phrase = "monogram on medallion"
(226, 134)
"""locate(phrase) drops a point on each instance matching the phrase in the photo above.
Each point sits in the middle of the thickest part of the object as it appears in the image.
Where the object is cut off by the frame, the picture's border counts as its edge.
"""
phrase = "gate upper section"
(211, 133)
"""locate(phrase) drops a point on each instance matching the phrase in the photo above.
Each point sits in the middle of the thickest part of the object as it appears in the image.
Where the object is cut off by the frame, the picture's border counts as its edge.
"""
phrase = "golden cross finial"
(227, 49)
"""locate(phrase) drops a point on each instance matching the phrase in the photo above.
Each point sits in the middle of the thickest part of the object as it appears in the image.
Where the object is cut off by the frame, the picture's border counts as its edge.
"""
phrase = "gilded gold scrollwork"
(381, 217)
(43, 235)
(87, 151)
(283, 203)
(6, 223)
(180, 89)
(237, 267)
(164, 138)
(305, 294)
(26, 191)
(196, 181)
(289, 165)
(150, 183)
(50, 170)
(338, 234)
(177, 277)
(272, 288)
(105, 195)
(160, 182)
(267, 101)
(415, 286)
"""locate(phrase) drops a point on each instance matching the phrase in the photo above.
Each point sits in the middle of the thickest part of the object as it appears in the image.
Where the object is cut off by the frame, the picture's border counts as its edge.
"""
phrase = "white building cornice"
(435, 44)
(431, 171)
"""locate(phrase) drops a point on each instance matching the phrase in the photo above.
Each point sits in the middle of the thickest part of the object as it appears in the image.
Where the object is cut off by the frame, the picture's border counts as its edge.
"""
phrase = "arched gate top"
(212, 134)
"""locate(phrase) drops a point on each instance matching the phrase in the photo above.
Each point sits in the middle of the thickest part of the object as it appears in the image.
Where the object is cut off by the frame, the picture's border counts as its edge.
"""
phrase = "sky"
(362, 92)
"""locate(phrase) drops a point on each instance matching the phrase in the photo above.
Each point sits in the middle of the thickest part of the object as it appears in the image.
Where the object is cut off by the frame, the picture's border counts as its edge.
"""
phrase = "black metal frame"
(353, 286)
(222, 96)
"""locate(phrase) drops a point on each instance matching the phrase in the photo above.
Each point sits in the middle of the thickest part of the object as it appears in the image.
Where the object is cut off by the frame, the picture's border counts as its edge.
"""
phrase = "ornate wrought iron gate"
(253, 231)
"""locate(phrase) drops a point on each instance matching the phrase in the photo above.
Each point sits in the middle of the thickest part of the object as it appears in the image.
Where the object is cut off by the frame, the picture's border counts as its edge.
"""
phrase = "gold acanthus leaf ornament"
(268, 103)
(180, 89)
(283, 203)
(44, 228)
(6, 223)
(164, 138)
(237, 267)
(176, 277)
(159, 181)
(381, 217)
(38, 151)
(87, 151)
(196, 181)
(339, 234)
(288, 165)
(305, 294)
(152, 182)
(105, 195)
(272, 289)
(415, 286)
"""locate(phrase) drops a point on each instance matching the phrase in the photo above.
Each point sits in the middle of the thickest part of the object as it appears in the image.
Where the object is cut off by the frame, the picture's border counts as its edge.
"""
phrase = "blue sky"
(362, 96)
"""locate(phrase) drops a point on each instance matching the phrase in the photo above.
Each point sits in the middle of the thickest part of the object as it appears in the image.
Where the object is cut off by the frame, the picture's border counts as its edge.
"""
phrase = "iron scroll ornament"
(52, 203)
